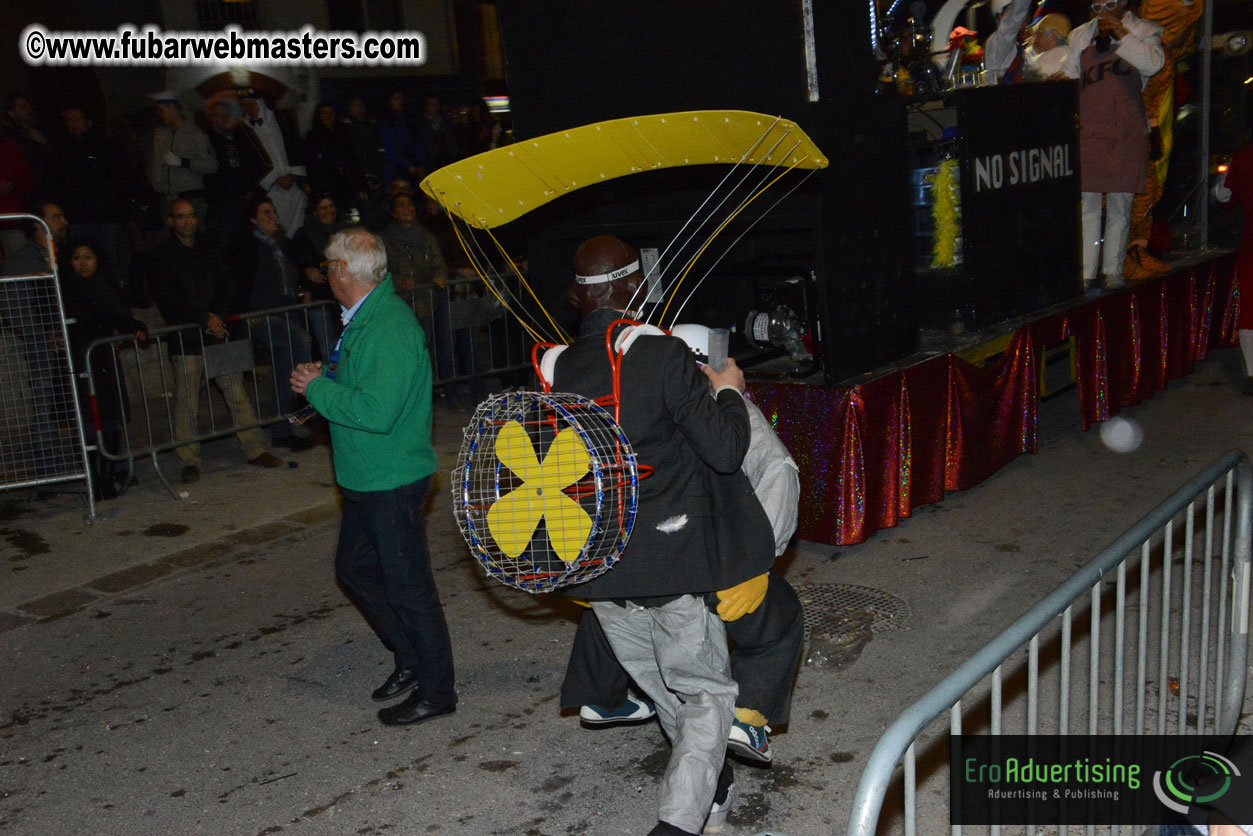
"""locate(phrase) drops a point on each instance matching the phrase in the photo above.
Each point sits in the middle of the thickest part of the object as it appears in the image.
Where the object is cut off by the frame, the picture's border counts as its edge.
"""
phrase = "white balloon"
(1122, 435)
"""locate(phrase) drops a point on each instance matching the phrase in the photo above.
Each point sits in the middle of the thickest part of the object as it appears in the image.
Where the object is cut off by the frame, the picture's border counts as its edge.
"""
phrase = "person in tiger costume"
(1178, 21)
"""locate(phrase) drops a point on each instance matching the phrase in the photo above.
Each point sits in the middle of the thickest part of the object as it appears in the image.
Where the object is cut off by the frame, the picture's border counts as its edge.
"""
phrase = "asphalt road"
(231, 695)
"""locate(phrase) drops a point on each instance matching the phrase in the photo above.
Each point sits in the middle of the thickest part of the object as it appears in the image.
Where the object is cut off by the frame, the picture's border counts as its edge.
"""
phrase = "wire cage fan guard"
(544, 490)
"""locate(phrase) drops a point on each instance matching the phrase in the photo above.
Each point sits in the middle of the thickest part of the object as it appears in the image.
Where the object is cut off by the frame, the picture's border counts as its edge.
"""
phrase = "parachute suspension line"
(721, 227)
(748, 172)
(478, 267)
(534, 327)
(518, 308)
(516, 305)
(656, 268)
(731, 246)
(564, 337)
(479, 261)
(743, 201)
(662, 267)
(559, 334)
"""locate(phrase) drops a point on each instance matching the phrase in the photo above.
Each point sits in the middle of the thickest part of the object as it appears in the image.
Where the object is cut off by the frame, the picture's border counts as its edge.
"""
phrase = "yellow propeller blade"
(516, 452)
(567, 460)
(568, 526)
(513, 518)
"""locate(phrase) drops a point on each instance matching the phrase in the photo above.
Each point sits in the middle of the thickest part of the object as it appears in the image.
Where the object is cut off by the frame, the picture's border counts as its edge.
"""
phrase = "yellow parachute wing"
(501, 185)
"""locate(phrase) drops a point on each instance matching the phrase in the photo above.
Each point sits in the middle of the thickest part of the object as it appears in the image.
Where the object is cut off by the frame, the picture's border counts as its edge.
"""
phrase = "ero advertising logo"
(1194, 780)
(1096, 779)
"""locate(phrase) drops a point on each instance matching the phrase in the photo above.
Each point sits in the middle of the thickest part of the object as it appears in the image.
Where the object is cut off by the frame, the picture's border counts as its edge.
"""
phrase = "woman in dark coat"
(329, 159)
(310, 243)
(98, 312)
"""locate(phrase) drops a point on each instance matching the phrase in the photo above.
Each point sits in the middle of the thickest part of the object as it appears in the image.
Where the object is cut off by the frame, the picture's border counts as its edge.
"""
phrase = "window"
(363, 15)
(214, 14)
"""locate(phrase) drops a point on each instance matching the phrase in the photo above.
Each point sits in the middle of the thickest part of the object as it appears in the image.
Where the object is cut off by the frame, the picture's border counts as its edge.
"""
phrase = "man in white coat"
(280, 183)
(1043, 57)
(1000, 52)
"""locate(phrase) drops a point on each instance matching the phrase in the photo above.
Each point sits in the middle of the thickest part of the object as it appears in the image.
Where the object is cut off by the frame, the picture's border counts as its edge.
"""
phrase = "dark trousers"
(288, 345)
(45, 454)
(765, 652)
(383, 562)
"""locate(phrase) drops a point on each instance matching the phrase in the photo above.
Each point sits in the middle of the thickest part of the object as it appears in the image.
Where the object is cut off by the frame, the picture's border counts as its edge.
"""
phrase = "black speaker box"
(570, 63)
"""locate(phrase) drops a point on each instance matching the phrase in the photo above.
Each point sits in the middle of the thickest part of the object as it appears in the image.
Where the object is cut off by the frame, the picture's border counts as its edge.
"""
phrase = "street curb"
(89, 593)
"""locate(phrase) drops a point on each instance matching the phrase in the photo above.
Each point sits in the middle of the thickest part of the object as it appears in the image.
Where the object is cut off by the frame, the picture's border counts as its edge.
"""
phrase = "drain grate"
(834, 609)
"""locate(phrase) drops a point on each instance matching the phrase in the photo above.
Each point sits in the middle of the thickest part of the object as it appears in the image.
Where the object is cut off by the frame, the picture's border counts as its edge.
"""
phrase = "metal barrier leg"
(1237, 669)
(1186, 631)
(156, 468)
(1220, 663)
(1163, 656)
(1208, 586)
(1231, 663)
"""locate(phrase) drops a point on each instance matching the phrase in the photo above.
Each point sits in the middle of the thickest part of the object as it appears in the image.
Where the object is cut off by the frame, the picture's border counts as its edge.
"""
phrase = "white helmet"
(696, 337)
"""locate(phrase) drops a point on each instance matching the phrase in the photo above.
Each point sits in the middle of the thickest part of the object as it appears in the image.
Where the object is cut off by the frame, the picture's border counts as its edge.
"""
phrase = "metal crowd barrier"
(165, 380)
(42, 438)
(471, 334)
(1185, 657)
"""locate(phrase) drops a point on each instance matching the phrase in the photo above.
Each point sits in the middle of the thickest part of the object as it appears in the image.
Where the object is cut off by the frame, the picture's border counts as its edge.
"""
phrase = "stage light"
(496, 104)
(779, 327)
(1231, 43)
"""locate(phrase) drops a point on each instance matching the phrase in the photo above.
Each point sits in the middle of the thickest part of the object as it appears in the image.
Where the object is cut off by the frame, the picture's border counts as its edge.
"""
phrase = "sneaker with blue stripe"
(631, 711)
(752, 742)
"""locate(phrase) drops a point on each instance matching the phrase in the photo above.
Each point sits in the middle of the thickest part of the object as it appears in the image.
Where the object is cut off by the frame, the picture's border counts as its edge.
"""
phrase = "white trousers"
(1117, 226)
(677, 654)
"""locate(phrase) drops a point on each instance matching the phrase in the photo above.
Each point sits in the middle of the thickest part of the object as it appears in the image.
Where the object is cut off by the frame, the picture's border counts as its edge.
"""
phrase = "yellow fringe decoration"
(946, 211)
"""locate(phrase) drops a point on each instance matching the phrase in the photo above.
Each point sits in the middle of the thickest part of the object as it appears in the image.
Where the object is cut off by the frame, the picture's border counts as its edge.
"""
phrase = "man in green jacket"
(376, 394)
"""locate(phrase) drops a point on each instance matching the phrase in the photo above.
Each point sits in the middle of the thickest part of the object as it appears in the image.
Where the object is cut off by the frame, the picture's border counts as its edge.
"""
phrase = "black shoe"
(413, 710)
(266, 459)
(665, 828)
(191, 473)
(402, 681)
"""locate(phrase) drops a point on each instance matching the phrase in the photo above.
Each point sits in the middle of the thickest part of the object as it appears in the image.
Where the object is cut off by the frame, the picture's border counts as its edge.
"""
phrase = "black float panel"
(571, 62)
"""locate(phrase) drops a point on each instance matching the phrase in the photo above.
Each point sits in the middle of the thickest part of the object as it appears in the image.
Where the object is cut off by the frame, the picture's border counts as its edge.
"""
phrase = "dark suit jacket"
(695, 445)
(244, 263)
(242, 162)
(189, 283)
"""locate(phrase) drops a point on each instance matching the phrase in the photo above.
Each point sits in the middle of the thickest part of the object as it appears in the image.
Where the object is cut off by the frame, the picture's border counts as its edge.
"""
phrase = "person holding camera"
(1112, 55)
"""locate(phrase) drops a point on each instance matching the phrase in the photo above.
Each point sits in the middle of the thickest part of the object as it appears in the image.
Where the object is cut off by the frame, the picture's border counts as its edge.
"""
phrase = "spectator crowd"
(169, 217)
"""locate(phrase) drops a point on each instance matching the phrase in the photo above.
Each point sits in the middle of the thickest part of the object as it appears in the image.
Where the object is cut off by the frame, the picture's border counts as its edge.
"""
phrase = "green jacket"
(379, 404)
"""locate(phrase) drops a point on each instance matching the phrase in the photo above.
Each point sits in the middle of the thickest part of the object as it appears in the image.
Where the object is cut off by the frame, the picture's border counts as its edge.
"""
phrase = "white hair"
(362, 252)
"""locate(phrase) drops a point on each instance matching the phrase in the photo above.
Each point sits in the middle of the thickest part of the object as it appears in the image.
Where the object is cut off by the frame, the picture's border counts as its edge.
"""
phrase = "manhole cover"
(834, 609)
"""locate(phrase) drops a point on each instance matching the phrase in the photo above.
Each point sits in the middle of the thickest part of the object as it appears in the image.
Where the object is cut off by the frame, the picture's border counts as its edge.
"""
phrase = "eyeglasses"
(1107, 6)
(326, 265)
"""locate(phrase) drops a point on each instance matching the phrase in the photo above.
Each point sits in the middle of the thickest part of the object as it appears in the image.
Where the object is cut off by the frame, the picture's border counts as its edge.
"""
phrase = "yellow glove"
(742, 598)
